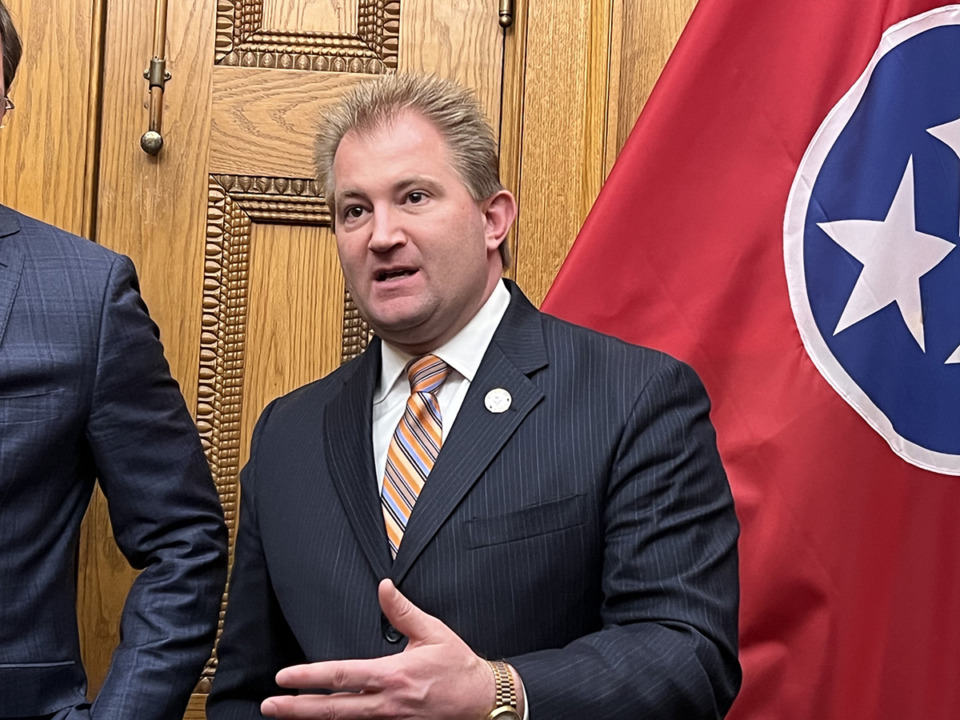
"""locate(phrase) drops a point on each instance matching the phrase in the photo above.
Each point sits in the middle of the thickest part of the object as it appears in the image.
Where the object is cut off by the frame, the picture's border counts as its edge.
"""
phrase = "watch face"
(504, 712)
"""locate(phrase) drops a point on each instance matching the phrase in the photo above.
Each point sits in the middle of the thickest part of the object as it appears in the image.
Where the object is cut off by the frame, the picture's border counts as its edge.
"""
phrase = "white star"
(895, 255)
(949, 134)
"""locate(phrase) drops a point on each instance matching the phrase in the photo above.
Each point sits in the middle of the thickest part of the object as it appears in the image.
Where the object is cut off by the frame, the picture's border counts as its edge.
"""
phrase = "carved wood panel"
(243, 41)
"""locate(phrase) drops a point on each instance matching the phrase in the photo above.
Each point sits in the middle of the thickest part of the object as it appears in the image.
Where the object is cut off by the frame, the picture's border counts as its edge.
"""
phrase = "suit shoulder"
(619, 375)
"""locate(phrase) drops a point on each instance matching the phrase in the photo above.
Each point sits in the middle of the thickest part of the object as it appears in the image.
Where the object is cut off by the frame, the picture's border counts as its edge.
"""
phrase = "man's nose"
(386, 231)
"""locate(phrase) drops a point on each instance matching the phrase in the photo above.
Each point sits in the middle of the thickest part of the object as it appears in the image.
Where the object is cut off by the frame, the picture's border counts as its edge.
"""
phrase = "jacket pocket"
(526, 522)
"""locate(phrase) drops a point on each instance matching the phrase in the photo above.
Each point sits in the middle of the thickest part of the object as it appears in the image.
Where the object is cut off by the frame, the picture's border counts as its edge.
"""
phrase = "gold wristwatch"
(506, 700)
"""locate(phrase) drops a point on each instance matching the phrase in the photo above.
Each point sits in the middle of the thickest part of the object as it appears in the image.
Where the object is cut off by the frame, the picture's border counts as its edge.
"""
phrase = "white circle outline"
(793, 229)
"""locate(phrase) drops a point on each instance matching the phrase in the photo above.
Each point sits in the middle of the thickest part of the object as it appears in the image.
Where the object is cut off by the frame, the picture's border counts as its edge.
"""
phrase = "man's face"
(418, 253)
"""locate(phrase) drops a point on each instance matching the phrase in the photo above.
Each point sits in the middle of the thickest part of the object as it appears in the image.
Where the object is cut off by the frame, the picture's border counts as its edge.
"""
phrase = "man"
(85, 393)
(545, 498)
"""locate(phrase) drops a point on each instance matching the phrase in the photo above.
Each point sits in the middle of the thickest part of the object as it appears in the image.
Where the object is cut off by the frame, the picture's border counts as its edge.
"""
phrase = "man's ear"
(499, 212)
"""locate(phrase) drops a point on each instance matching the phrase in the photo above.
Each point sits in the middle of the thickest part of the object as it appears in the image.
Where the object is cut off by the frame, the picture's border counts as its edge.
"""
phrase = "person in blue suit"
(490, 513)
(86, 395)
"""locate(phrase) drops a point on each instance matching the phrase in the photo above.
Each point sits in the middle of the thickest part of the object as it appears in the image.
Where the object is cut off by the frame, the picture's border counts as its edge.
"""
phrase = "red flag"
(850, 554)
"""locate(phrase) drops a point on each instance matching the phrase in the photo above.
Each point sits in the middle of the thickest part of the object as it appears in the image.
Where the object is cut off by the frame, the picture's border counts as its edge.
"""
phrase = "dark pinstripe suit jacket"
(587, 534)
(85, 392)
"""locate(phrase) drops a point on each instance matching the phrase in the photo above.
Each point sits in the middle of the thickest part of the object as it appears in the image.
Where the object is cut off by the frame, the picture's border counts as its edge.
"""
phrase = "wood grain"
(315, 16)
(91, 174)
(196, 709)
(44, 144)
(610, 146)
(554, 122)
(295, 298)
(457, 39)
(264, 121)
(596, 103)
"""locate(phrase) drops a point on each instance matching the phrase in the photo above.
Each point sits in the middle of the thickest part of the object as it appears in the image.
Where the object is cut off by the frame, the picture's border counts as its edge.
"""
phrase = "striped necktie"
(414, 447)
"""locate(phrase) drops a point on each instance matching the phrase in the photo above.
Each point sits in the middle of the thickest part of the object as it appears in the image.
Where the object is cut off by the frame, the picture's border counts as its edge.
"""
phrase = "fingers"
(385, 687)
(337, 675)
(318, 707)
(407, 617)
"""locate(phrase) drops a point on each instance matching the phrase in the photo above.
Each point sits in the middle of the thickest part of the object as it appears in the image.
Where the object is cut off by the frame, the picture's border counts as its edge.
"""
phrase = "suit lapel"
(11, 264)
(349, 451)
(516, 352)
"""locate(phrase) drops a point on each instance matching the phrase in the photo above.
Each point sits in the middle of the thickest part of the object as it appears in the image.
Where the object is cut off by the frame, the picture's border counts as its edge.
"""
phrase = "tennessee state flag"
(785, 218)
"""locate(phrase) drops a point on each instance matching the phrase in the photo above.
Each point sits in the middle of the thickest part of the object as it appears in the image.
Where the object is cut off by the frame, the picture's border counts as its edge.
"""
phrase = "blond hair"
(454, 111)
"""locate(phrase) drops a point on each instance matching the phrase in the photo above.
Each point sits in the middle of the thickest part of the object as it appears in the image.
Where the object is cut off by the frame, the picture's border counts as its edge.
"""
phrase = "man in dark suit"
(549, 500)
(85, 393)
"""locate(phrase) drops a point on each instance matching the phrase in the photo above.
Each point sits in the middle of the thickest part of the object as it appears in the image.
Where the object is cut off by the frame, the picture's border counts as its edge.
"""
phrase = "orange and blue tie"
(414, 447)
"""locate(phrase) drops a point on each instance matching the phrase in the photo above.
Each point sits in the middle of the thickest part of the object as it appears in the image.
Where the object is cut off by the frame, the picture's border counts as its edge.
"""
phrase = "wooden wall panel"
(559, 175)
(448, 38)
(293, 326)
(589, 66)
(316, 16)
(45, 149)
(291, 100)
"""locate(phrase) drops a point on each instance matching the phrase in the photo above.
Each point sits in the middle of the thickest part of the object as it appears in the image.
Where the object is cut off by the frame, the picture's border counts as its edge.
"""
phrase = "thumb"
(406, 617)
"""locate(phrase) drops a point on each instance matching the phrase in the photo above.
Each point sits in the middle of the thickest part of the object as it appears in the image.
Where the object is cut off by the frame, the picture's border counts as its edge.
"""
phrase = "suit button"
(390, 633)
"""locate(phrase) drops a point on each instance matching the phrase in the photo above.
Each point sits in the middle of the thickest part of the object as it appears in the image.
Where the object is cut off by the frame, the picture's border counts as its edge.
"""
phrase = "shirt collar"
(463, 352)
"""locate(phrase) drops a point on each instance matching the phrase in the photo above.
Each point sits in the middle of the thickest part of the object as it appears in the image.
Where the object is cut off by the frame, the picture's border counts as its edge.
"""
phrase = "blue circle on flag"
(873, 239)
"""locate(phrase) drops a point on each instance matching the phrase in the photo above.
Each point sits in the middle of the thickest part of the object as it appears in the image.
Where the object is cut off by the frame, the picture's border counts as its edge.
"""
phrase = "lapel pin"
(498, 400)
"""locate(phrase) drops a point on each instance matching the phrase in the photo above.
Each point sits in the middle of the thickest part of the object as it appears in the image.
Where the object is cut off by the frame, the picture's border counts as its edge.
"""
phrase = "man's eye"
(354, 211)
(416, 197)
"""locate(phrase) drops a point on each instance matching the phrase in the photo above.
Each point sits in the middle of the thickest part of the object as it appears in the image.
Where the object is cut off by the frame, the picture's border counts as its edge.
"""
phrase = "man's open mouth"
(391, 274)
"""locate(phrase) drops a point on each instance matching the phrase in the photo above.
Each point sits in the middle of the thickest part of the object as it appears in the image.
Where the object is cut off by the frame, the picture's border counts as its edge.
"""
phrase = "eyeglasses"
(7, 107)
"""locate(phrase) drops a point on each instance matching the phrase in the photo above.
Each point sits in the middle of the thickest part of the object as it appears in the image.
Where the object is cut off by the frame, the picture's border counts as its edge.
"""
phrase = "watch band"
(506, 692)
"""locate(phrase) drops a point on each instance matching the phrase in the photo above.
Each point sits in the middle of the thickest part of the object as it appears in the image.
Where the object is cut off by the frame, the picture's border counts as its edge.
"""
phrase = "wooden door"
(227, 225)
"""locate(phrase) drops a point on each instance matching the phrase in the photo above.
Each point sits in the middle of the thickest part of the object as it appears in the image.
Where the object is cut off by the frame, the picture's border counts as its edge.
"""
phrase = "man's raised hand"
(436, 677)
